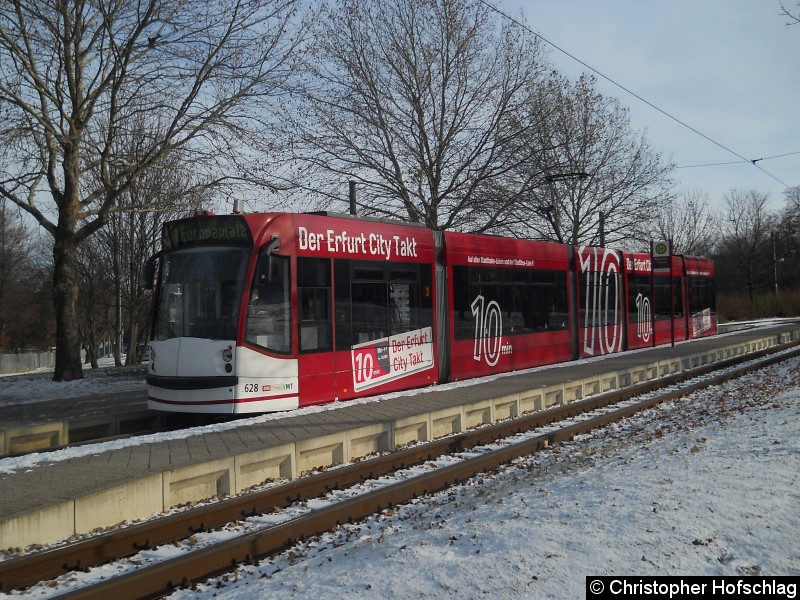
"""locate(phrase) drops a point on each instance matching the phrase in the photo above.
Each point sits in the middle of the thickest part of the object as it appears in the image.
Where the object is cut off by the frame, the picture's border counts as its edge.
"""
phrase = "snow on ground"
(703, 486)
(38, 386)
(706, 485)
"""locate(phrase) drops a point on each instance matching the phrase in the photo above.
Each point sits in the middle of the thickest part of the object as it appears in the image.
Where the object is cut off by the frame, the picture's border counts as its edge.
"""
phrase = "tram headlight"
(227, 355)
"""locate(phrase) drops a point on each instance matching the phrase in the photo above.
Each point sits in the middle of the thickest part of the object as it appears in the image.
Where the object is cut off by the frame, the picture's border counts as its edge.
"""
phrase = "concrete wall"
(29, 361)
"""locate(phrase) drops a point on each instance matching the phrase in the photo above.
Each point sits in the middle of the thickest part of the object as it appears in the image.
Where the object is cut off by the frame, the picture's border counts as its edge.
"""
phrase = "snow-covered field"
(702, 486)
(37, 386)
(709, 485)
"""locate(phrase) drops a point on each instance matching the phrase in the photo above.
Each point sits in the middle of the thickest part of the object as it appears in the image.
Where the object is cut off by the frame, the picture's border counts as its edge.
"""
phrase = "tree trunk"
(90, 350)
(65, 295)
(133, 343)
(116, 228)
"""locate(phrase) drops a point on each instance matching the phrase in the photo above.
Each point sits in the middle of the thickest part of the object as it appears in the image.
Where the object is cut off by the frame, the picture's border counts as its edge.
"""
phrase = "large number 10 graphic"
(488, 330)
(602, 331)
(644, 317)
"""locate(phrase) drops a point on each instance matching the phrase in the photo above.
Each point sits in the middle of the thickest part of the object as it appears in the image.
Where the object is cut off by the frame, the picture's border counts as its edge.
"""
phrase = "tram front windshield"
(200, 293)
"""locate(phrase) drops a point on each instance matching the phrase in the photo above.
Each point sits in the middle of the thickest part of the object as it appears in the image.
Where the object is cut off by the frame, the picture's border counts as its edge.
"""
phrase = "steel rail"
(24, 571)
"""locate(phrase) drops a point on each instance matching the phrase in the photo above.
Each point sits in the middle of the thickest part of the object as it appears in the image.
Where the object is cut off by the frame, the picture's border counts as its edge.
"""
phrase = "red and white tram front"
(269, 312)
(202, 313)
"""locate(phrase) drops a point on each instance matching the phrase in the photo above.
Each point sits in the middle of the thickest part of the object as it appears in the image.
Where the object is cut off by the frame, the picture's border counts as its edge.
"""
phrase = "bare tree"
(786, 242)
(411, 99)
(95, 298)
(746, 229)
(26, 307)
(590, 166)
(129, 240)
(794, 17)
(792, 195)
(76, 74)
(688, 220)
(15, 252)
(131, 236)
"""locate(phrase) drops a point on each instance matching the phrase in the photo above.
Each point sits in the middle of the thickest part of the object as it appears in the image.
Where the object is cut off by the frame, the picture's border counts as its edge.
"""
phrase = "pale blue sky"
(728, 68)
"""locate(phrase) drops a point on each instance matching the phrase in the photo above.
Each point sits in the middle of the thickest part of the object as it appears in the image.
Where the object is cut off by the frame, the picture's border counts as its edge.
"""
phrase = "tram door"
(383, 326)
(315, 329)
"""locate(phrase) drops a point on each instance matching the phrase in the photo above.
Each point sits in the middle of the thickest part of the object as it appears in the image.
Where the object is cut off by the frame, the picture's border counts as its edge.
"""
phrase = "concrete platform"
(48, 423)
(53, 501)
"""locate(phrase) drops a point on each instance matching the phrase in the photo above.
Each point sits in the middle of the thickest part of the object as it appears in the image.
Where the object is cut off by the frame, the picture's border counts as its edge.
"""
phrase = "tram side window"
(370, 303)
(712, 295)
(662, 307)
(599, 300)
(410, 298)
(550, 294)
(474, 290)
(517, 302)
(269, 314)
(343, 307)
(701, 296)
(533, 301)
(638, 290)
(677, 290)
(527, 301)
(375, 300)
(314, 304)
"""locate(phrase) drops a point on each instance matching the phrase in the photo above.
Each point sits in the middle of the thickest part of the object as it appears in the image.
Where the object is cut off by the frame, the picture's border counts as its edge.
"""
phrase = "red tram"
(269, 312)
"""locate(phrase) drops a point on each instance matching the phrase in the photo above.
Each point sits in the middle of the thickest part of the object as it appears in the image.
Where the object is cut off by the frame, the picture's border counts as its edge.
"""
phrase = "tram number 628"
(488, 330)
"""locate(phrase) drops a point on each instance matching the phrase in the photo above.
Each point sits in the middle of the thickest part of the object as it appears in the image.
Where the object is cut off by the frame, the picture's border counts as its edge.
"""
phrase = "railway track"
(160, 578)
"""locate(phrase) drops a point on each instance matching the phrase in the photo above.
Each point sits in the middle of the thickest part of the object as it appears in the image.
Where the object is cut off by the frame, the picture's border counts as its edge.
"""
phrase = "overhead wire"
(738, 162)
(644, 100)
